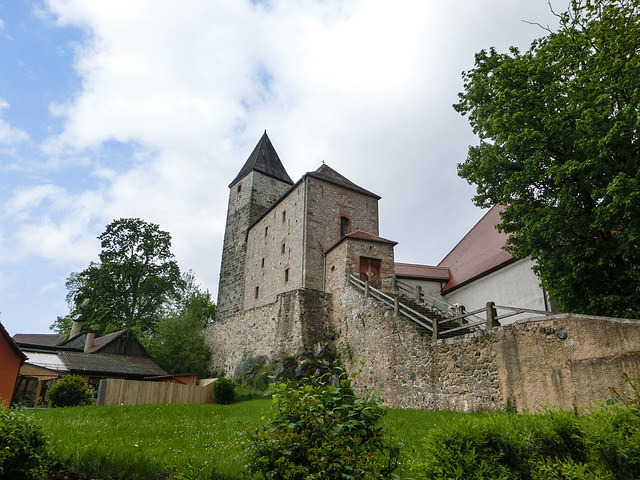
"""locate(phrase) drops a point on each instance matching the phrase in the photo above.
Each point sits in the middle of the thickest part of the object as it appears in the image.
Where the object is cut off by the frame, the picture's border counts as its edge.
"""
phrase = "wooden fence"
(115, 391)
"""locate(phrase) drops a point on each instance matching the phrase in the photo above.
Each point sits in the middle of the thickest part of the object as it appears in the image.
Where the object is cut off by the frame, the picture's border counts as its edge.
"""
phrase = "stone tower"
(260, 183)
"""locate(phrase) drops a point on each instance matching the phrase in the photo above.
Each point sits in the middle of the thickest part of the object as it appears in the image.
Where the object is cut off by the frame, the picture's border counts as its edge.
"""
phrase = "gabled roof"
(328, 174)
(12, 344)
(426, 272)
(39, 339)
(479, 252)
(106, 364)
(360, 235)
(264, 159)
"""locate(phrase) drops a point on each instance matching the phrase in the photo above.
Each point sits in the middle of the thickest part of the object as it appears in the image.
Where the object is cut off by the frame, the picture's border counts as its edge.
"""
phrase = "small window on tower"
(257, 292)
(266, 230)
(239, 187)
(284, 216)
(284, 248)
(286, 275)
(262, 266)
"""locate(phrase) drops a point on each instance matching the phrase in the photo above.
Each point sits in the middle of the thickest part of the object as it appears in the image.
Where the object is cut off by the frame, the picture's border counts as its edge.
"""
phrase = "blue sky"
(150, 108)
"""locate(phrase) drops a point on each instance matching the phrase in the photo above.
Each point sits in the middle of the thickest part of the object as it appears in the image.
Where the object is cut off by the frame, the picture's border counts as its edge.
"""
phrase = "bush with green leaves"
(601, 444)
(321, 430)
(24, 449)
(70, 391)
(223, 391)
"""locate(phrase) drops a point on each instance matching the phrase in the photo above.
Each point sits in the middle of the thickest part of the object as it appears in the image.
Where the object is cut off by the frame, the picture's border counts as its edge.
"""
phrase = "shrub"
(321, 430)
(24, 450)
(70, 391)
(223, 391)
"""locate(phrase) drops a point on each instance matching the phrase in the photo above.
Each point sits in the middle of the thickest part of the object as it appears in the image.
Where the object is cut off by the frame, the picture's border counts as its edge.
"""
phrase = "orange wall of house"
(9, 368)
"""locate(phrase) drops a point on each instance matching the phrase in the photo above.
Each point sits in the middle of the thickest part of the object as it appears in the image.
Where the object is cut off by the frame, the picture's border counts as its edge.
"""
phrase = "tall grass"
(205, 442)
(151, 441)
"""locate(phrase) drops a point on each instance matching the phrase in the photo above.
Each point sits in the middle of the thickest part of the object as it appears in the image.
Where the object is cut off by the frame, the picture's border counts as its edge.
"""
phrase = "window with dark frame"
(286, 275)
(284, 248)
(257, 292)
(344, 226)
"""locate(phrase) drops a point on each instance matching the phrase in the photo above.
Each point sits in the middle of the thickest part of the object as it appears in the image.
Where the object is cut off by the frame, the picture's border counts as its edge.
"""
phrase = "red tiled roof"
(421, 271)
(479, 252)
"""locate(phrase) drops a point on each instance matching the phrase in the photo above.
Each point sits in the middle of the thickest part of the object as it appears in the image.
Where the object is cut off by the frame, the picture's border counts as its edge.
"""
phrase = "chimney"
(91, 337)
(76, 328)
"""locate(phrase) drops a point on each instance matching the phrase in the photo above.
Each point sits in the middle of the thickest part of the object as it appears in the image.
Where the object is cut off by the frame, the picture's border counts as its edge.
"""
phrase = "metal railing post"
(396, 307)
(419, 294)
(366, 289)
(435, 330)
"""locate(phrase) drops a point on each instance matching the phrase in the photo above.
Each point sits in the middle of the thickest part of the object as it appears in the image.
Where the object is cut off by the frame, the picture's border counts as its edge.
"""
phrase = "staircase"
(444, 320)
(436, 321)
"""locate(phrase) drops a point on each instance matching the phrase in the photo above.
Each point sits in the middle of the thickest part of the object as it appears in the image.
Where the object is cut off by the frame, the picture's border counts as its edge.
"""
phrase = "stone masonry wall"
(294, 323)
(403, 365)
(326, 204)
(248, 199)
(562, 361)
(274, 245)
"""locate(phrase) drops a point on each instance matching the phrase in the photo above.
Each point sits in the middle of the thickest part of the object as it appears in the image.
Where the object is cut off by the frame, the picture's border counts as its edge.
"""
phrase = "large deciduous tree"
(559, 130)
(134, 281)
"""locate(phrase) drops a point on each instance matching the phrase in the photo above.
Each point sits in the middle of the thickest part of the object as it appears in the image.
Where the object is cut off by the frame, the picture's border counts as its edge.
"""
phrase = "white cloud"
(8, 134)
(188, 88)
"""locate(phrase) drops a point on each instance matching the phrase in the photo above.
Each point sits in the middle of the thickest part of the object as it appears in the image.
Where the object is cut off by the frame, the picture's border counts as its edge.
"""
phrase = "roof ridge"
(328, 174)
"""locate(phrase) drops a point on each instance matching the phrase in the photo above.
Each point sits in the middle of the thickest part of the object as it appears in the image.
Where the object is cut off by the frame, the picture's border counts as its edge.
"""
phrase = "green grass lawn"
(195, 441)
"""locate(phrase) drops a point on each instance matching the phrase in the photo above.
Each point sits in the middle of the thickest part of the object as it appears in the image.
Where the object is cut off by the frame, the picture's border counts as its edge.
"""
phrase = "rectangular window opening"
(344, 226)
(286, 275)
(284, 247)
(257, 292)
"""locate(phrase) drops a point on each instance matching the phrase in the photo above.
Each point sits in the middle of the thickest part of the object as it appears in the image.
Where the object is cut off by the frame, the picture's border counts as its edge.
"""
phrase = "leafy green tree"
(560, 149)
(134, 281)
(178, 345)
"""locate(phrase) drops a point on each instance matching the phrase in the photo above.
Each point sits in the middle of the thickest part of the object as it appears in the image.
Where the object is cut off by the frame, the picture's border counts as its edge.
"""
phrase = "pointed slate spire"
(264, 159)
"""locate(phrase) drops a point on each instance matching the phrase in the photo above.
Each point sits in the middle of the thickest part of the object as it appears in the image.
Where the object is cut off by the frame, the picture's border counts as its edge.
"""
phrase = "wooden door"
(370, 271)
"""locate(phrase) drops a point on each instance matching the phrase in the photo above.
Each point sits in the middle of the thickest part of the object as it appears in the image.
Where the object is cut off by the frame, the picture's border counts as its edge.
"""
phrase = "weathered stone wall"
(403, 365)
(274, 245)
(562, 361)
(326, 204)
(248, 199)
(345, 259)
(293, 324)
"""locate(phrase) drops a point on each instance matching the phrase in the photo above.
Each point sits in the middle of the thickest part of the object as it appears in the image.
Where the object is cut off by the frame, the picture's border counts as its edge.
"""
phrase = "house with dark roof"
(116, 355)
